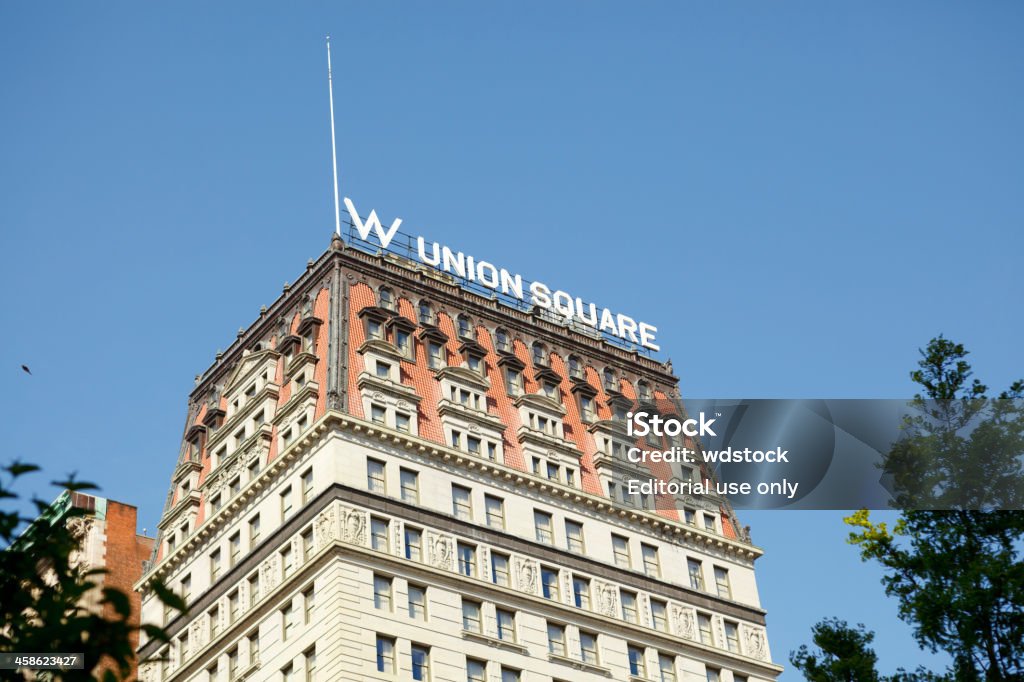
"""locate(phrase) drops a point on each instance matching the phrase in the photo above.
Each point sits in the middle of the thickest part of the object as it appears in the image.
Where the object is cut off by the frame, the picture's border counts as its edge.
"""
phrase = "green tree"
(843, 654)
(41, 609)
(957, 573)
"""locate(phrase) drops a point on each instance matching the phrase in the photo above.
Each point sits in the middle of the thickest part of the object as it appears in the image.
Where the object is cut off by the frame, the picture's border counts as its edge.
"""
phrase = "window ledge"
(580, 665)
(494, 641)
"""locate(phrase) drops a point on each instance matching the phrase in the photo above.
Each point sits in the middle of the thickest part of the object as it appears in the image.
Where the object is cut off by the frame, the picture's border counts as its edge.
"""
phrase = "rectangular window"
(510, 675)
(514, 380)
(629, 613)
(287, 621)
(542, 527)
(659, 614)
(556, 639)
(714, 674)
(402, 422)
(288, 673)
(420, 662)
(375, 477)
(462, 506)
(287, 559)
(709, 522)
(552, 472)
(235, 547)
(402, 341)
(308, 604)
(667, 668)
(476, 671)
(307, 544)
(506, 625)
(215, 565)
(378, 414)
(413, 544)
(492, 454)
(309, 659)
(467, 559)
(495, 510)
(254, 588)
(620, 547)
(704, 626)
(549, 583)
(732, 636)
(410, 481)
(214, 616)
(385, 654)
(473, 445)
(588, 647)
(637, 664)
(696, 574)
(471, 621)
(307, 485)
(722, 582)
(234, 603)
(437, 355)
(233, 663)
(381, 592)
(652, 566)
(574, 536)
(499, 569)
(383, 369)
(581, 592)
(286, 502)
(380, 535)
(254, 647)
(417, 602)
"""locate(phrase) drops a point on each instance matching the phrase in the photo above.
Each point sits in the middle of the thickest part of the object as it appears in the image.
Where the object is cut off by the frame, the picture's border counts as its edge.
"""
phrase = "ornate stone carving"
(195, 638)
(268, 574)
(755, 643)
(326, 530)
(526, 575)
(354, 527)
(683, 623)
(440, 551)
(79, 528)
(607, 599)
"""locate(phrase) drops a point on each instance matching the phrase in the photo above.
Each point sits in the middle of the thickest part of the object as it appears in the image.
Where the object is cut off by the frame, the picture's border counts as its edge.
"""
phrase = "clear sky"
(798, 194)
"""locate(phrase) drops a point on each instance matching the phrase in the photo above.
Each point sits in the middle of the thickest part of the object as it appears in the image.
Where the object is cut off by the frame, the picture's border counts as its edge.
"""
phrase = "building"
(107, 539)
(391, 475)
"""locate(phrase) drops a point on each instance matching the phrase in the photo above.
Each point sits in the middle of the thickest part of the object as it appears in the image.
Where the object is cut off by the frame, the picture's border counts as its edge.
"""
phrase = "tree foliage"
(44, 592)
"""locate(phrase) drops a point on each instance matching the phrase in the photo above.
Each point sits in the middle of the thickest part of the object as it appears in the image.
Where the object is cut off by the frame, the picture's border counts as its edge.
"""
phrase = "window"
(722, 582)
(385, 654)
(234, 602)
(473, 445)
(420, 662)
(667, 668)
(308, 604)
(499, 569)
(286, 502)
(307, 544)
(732, 636)
(309, 659)
(610, 382)
(709, 522)
(467, 559)
(456, 439)
(287, 621)
(381, 592)
(506, 625)
(704, 626)
(542, 527)
(214, 616)
(475, 362)
(215, 504)
(659, 615)
(588, 647)
(215, 565)
(386, 298)
(494, 508)
(378, 414)
(637, 664)
(413, 544)
(575, 367)
(492, 452)
(513, 381)
(501, 340)
(550, 390)
(620, 547)
(233, 663)
(186, 588)
(714, 674)
(539, 354)
(254, 647)
(379, 535)
(643, 391)
(410, 485)
(581, 592)
(650, 557)
(254, 588)
(374, 328)
(696, 574)
(462, 506)
(574, 536)
(465, 327)
(235, 547)
(471, 621)
(476, 671)
(510, 675)
(556, 639)
(288, 673)
(403, 341)
(287, 559)
(375, 477)
(587, 409)
(549, 583)
(402, 422)
(426, 313)
(417, 602)
(436, 358)
(628, 606)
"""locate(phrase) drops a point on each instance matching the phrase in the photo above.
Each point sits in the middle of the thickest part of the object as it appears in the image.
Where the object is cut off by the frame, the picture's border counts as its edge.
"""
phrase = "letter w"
(372, 223)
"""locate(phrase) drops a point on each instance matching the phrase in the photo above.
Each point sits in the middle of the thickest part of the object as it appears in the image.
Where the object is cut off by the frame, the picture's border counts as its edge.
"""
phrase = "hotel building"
(391, 476)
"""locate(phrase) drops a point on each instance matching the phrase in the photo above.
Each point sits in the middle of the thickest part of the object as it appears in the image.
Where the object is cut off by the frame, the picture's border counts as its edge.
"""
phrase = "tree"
(953, 560)
(844, 654)
(43, 590)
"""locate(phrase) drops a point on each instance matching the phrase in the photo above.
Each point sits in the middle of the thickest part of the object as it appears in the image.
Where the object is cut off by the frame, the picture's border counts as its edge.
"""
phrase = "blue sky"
(799, 195)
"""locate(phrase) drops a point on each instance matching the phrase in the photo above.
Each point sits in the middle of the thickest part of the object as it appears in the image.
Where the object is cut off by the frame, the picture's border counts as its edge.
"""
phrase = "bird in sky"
(26, 369)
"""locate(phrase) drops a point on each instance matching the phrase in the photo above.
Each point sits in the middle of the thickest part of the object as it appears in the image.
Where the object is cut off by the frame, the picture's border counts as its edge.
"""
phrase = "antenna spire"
(334, 152)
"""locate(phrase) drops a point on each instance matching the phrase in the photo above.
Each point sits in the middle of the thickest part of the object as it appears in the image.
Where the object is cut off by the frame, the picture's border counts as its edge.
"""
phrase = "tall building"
(393, 474)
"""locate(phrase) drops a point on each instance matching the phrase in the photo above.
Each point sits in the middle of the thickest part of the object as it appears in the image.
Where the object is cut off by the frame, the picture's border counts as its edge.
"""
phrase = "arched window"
(501, 340)
(386, 298)
(611, 383)
(426, 312)
(643, 390)
(465, 327)
(540, 354)
(575, 367)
